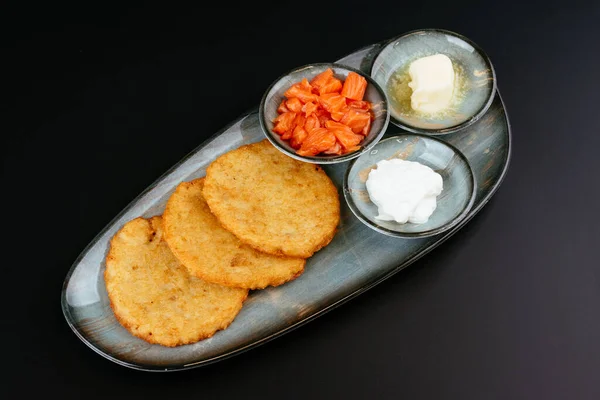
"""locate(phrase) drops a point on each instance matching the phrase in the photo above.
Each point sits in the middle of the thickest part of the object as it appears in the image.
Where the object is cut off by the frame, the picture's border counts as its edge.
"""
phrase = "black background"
(100, 100)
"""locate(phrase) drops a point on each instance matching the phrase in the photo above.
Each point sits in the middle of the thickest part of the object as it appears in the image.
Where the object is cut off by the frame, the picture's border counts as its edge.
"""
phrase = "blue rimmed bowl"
(453, 204)
(273, 96)
(475, 80)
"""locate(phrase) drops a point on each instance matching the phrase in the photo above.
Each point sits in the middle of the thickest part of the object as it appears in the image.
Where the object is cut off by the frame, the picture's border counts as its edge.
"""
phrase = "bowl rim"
(413, 235)
(319, 160)
(454, 128)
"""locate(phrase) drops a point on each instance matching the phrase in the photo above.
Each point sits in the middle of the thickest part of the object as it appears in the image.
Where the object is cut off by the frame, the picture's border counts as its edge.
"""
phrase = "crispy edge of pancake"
(316, 244)
(154, 224)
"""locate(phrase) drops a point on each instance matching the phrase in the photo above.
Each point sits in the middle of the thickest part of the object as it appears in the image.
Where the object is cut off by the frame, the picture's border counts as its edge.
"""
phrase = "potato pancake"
(271, 201)
(153, 295)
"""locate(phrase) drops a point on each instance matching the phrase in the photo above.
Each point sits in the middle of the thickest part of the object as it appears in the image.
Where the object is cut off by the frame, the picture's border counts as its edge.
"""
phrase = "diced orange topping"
(344, 134)
(309, 108)
(303, 94)
(320, 80)
(333, 85)
(354, 86)
(332, 102)
(312, 122)
(356, 119)
(294, 104)
(284, 122)
(336, 125)
(305, 84)
(336, 149)
(298, 137)
(325, 115)
(338, 115)
(282, 108)
(297, 123)
(300, 120)
(317, 141)
(367, 128)
(325, 82)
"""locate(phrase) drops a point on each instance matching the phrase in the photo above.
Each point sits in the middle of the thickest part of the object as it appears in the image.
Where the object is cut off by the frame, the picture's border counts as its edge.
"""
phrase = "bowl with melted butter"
(437, 81)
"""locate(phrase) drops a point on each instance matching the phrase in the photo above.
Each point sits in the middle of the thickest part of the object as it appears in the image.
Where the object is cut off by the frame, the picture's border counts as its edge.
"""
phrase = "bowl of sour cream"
(410, 186)
(437, 81)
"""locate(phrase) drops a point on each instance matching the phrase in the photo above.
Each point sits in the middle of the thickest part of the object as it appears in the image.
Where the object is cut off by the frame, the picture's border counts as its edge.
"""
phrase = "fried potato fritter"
(153, 295)
(214, 254)
(271, 201)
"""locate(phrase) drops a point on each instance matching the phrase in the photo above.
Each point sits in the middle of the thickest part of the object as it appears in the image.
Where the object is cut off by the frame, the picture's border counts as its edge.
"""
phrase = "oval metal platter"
(356, 260)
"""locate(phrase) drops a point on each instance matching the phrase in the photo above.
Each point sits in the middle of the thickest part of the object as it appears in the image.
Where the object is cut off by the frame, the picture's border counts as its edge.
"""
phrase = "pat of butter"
(432, 83)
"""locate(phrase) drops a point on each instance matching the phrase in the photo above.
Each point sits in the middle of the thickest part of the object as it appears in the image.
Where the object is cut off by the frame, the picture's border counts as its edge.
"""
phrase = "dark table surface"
(100, 101)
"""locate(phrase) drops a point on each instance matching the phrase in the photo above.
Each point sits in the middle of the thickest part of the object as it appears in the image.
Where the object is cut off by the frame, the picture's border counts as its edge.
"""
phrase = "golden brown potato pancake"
(153, 295)
(271, 201)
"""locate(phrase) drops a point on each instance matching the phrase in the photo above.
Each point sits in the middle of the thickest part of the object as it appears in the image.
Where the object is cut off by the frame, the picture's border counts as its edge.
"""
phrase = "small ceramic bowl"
(274, 95)
(453, 204)
(475, 80)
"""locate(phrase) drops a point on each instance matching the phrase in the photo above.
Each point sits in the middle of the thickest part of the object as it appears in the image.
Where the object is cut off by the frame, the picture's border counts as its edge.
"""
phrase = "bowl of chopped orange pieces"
(324, 113)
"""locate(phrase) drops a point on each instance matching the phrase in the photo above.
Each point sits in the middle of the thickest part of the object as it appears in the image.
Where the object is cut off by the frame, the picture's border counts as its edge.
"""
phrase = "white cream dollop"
(404, 191)
(432, 82)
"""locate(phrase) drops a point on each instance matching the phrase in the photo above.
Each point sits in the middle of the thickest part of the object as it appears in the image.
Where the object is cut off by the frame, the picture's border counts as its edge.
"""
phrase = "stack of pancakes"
(250, 223)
